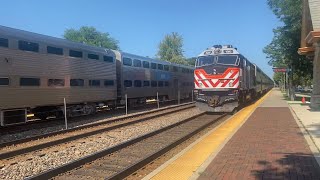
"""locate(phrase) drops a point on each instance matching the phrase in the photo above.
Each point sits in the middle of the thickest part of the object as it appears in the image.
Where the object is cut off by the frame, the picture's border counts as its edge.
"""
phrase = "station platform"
(262, 141)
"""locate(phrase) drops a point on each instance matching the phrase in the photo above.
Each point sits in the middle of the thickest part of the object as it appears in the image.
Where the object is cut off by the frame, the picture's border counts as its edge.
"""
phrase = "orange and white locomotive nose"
(229, 79)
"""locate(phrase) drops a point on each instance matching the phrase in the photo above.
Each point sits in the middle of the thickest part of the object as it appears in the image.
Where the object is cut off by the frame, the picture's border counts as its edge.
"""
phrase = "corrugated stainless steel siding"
(140, 73)
(16, 63)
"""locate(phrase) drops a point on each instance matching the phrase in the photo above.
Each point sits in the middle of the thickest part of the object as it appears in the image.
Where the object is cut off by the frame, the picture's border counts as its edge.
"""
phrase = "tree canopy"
(170, 49)
(91, 36)
(282, 51)
(191, 61)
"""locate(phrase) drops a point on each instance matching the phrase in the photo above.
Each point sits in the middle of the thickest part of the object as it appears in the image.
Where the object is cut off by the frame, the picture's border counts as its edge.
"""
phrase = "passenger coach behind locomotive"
(37, 72)
(224, 79)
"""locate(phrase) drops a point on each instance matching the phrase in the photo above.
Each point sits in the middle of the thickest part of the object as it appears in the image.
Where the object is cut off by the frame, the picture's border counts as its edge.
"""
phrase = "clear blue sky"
(139, 25)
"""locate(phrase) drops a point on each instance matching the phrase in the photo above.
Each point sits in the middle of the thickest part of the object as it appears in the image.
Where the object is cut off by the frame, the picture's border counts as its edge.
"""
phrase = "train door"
(175, 88)
(248, 76)
(252, 76)
(245, 75)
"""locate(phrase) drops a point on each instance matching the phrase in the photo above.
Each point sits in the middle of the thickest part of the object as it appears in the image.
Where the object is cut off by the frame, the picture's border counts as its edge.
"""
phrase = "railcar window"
(73, 53)
(55, 82)
(153, 66)
(108, 59)
(29, 81)
(94, 82)
(136, 63)
(54, 50)
(184, 70)
(160, 66)
(160, 83)
(153, 83)
(127, 83)
(4, 82)
(108, 83)
(76, 82)
(137, 83)
(166, 83)
(28, 46)
(4, 42)
(175, 69)
(127, 61)
(146, 64)
(166, 67)
(146, 83)
(93, 56)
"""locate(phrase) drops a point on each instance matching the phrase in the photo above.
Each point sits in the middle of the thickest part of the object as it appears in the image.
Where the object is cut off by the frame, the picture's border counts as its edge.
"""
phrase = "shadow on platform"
(290, 166)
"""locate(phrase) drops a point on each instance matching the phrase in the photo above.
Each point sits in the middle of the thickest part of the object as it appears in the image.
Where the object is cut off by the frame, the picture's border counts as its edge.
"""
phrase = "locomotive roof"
(40, 38)
(220, 50)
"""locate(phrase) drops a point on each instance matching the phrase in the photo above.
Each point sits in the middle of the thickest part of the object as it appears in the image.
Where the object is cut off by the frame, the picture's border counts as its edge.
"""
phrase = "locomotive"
(225, 79)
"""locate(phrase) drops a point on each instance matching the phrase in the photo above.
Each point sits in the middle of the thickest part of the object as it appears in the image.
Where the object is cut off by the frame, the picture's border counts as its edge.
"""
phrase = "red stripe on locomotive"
(232, 76)
(204, 78)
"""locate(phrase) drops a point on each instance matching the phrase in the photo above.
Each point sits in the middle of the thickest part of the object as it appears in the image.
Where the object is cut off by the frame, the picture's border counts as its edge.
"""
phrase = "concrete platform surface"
(275, 99)
(269, 145)
(310, 120)
(262, 141)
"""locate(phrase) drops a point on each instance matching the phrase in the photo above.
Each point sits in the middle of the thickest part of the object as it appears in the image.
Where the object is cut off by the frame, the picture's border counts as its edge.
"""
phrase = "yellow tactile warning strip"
(184, 166)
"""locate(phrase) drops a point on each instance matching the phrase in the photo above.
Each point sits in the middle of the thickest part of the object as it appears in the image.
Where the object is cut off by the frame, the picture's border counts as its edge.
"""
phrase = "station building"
(310, 44)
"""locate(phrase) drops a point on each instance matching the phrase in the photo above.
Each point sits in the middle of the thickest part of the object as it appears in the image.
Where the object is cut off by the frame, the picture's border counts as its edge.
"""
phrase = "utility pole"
(292, 92)
(284, 81)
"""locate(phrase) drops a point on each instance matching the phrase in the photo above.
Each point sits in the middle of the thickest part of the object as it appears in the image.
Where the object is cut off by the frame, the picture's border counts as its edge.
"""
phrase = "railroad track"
(30, 150)
(84, 131)
(33, 124)
(73, 122)
(121, 160)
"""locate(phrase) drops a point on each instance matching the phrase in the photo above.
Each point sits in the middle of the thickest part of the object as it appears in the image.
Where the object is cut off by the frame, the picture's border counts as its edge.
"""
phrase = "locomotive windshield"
(205, 60)
(225, 60)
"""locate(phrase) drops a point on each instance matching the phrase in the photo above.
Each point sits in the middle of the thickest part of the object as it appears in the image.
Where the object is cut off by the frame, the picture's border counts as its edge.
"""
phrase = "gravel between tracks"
(82, 120)
(36, 162)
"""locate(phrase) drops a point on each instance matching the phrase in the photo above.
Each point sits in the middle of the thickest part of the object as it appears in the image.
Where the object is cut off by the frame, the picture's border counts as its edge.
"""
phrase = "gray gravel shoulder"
(37, 162)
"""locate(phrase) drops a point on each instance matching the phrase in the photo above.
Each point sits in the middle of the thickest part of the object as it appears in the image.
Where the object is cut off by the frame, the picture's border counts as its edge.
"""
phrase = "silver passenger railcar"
(37, 72)
(141, 78)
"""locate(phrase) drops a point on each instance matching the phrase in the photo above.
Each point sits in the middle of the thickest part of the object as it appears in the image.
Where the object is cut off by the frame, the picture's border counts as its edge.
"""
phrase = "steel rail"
(129, 170)
(19, 141)
(87, 159)
(86, 134)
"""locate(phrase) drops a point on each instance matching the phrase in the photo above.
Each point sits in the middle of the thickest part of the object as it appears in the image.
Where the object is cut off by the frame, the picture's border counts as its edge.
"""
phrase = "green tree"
(191, 61)
(91, 36)
(170, 49)
(282, 51)
(278, 77)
